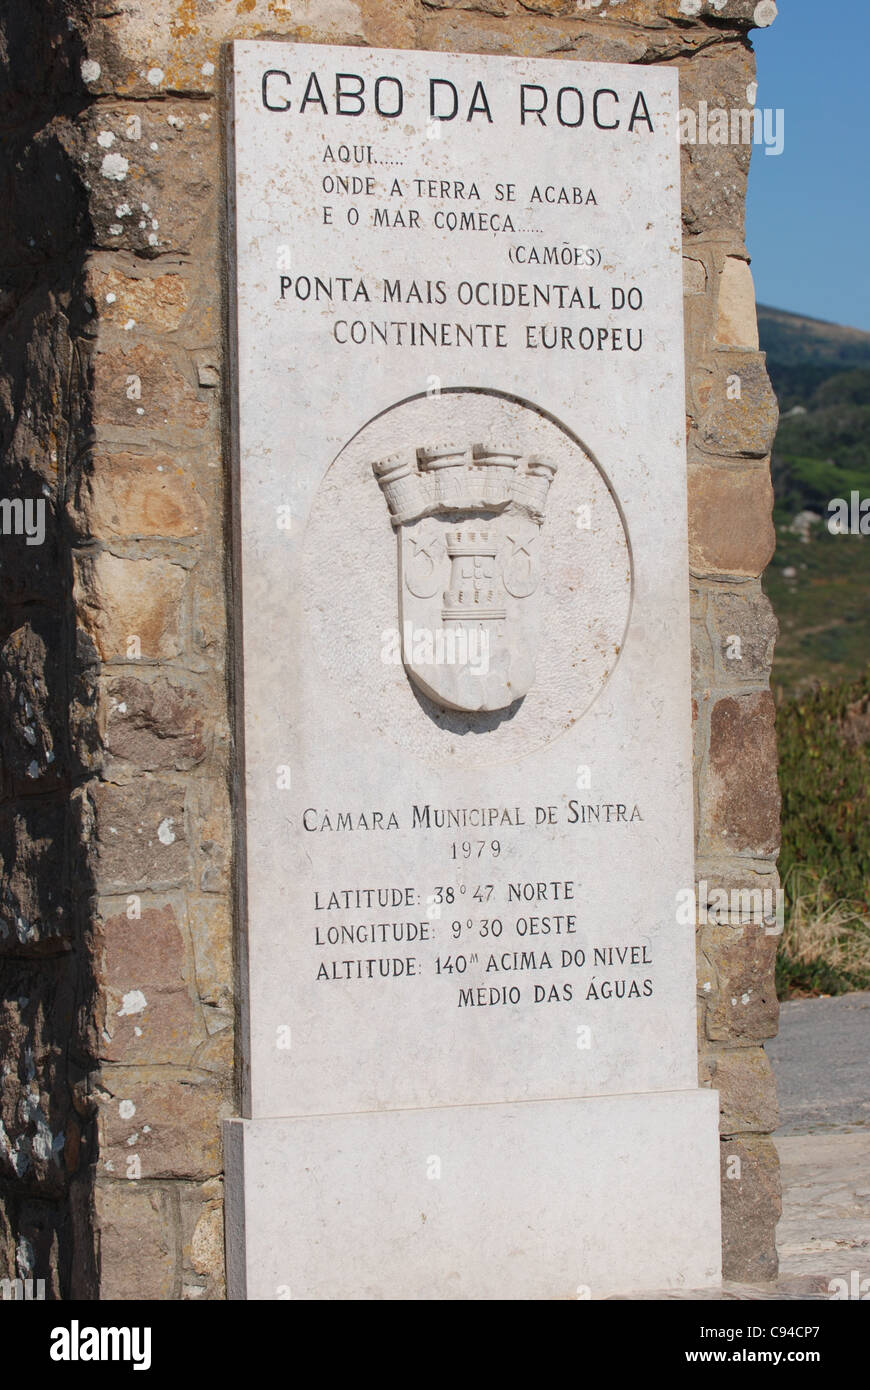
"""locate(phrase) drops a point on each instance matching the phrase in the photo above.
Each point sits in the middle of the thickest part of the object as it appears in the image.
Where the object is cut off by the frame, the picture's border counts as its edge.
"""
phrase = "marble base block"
(541, 1199)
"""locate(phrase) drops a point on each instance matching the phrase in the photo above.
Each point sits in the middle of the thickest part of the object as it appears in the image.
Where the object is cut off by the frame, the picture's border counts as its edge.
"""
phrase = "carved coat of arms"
(468, 523)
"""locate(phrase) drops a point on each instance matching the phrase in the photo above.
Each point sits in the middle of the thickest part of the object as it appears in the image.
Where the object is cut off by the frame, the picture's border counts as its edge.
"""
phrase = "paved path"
(824, 1232)
(821, 1059)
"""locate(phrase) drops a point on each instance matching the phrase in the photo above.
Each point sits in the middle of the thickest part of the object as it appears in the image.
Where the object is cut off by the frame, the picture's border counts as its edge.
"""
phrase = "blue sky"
(808, 214)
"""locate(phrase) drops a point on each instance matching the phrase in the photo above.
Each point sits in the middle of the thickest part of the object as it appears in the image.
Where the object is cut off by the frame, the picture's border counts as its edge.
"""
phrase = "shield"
(468, 525)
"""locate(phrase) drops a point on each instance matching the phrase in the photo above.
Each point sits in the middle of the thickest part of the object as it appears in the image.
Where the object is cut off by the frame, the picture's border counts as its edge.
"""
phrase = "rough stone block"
(744, 891)
(702, 652)
(216, 1054)
(742, 1006)
(202, 1234)
(148, 1012)
(742, 802)
(714, 175)
(751, 1206)
(747, 1091)
(152, 169)
(170, 1123)
(209, 616)
(137, 496)
(130, 297)
(174, 45)
(212, 935)
(538, 35)
(130, 608)
(149, 949)
(730, 523)
(736, 321)
(741, 413)
(744, 614)
(213, 853)
(141, 387)
(694, 275)
(139, 837)
(137, 1242)
(150, 1027)
(155, 725)
(388, 23)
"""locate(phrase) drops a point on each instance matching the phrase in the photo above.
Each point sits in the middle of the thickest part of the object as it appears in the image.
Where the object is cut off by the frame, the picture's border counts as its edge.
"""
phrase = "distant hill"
(803, 352)
(790, 339)
(819, 584)
(821, 375)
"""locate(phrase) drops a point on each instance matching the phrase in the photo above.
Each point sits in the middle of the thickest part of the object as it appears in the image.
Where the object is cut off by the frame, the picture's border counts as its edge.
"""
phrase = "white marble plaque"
(461, 539)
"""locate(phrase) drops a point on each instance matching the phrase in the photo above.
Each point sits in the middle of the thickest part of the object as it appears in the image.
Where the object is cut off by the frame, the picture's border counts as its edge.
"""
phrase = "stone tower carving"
(468, 521)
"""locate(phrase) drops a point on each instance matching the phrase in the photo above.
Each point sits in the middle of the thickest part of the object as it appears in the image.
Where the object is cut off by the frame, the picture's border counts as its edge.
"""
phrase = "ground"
(821, 1060)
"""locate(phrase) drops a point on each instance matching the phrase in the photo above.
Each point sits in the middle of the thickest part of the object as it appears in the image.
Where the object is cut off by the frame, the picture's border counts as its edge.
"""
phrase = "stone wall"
(49, 739)
(116, 842)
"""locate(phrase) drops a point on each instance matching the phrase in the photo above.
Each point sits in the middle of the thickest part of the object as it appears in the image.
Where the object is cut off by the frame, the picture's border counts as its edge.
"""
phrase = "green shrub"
(825, 859)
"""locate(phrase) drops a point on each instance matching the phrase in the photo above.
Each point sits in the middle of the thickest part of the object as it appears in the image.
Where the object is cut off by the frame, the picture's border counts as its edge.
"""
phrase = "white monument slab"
(462, 566)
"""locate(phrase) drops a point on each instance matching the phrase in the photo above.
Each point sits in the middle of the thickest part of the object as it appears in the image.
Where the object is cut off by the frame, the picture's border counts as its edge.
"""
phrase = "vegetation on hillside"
(819, 585)
(819, 591)
(824, 752)
(823, 444)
